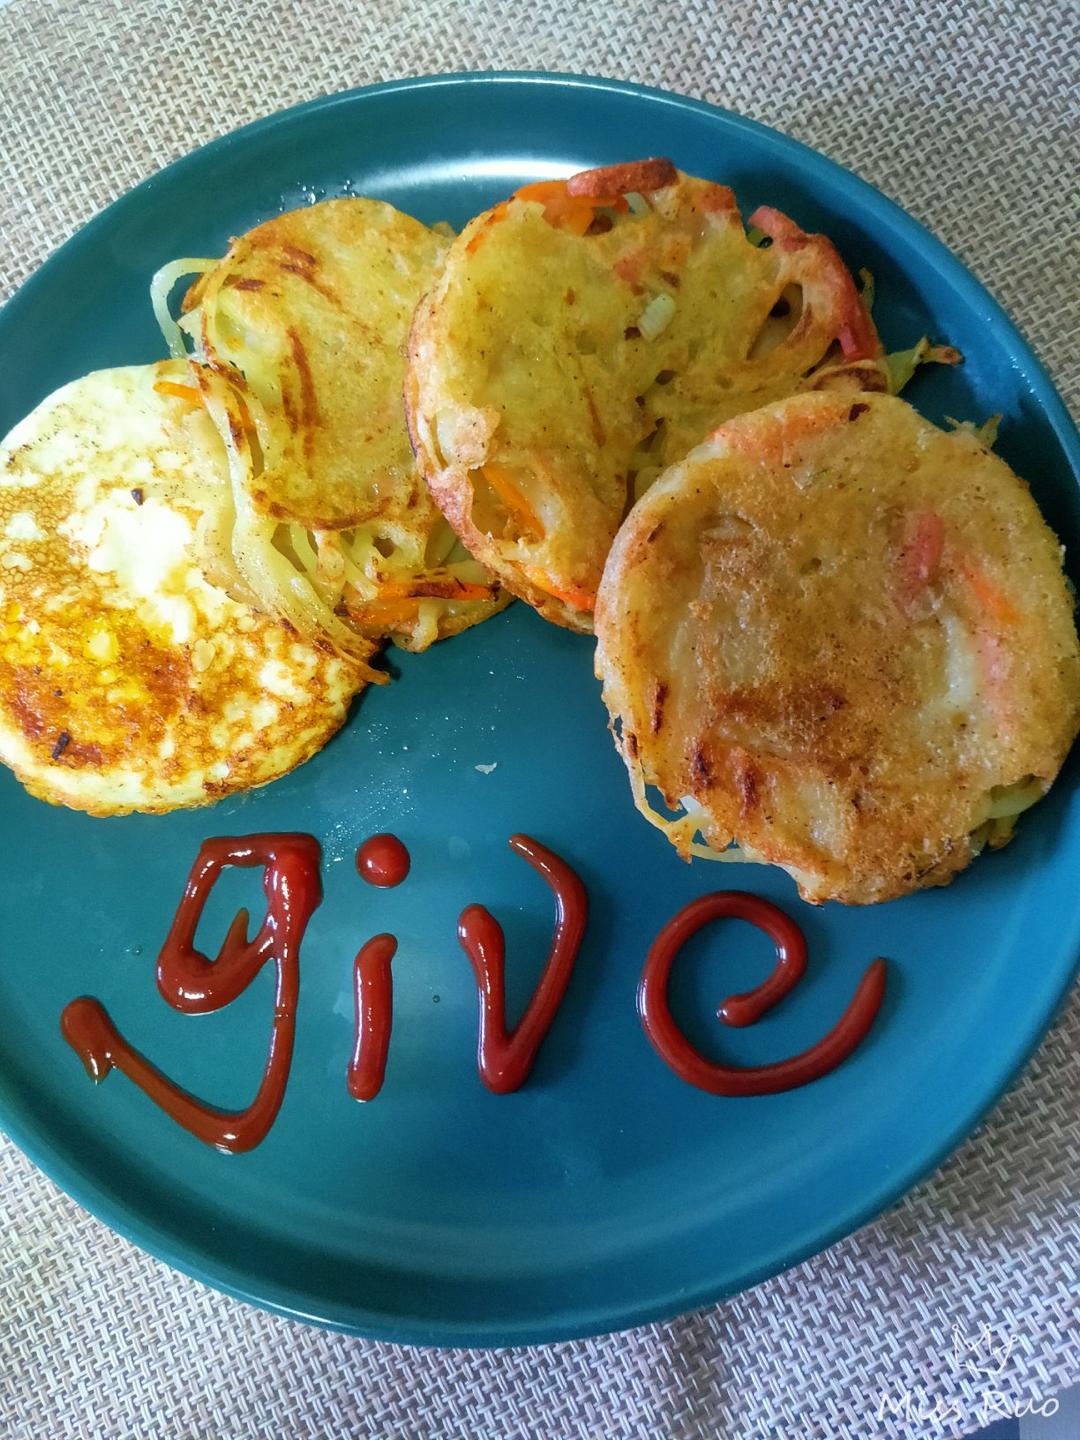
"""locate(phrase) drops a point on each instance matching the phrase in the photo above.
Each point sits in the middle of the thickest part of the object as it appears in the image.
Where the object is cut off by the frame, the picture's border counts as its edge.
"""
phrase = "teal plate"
(606, 1192)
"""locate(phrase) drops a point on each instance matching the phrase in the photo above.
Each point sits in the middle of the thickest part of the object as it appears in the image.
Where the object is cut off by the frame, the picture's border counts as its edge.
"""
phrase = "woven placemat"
(972, 122)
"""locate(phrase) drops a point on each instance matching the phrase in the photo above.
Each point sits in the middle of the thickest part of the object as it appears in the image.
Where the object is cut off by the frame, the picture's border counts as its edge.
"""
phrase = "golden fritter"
(587, 333)
(841, 639)
(305, 321)
(129, 678)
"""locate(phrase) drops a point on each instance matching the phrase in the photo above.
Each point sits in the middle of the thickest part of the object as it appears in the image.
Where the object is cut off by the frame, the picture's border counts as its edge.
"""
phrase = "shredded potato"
(293, 547)
(160, 289)
(683, 828)
(279, 586)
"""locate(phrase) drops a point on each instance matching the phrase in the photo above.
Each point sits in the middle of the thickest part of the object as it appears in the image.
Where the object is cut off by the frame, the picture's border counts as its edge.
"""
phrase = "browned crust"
(451, 482)
(36, 783)
(825, 738)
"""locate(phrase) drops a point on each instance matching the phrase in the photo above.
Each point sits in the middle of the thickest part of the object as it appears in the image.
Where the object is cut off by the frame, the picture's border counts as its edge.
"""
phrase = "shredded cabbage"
(1004, 805)
(986, 433)
(994, 833)
(902, 364)
(657, 316)
(1011, 800)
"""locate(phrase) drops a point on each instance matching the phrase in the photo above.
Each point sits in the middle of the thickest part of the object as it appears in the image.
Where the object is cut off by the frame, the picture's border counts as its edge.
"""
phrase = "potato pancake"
(585, 334)
(130, 677)
(842, 640)
(306, 319)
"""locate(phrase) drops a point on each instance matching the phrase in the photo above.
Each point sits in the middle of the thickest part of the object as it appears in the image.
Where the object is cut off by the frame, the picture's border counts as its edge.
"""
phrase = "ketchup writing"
(505, 1059)
(373, 995)
(383, 860)
(194, 984)
(687, 1062)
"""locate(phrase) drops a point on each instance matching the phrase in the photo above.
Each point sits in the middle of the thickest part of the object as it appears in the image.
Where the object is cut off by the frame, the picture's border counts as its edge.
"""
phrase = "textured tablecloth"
(969, 116)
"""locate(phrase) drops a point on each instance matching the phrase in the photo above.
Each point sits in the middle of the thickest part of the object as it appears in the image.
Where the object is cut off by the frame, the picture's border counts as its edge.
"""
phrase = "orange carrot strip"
(395, 613)
(494, 216)
(447, 589)
(499, 479)
(565, 211)
(576, 596)
(182, 392)
(992, 600)
(920, 554)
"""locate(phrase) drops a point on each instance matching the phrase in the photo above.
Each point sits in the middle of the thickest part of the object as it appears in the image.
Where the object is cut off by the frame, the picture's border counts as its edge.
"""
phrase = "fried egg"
(841, 640)
(134, 674)
(585, 334)
(305, 320)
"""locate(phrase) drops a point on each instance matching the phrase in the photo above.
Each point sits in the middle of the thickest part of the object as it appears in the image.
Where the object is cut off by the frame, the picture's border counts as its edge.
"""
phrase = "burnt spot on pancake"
(308, 399)
(748, 781)
(700, 769)
(660, 695)
(304, 265)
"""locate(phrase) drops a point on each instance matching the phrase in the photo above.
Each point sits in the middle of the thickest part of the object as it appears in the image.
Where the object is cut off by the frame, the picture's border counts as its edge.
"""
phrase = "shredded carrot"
(920, 554)
(629, 267)
(574, 213)
(493, 218)
(396, 613)
(498, 477)
(996, 604)
(182, 392)
(576, 596)
(245, 416)
(447, 588)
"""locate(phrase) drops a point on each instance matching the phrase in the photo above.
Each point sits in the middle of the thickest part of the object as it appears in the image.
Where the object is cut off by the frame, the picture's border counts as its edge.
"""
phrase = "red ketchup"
(383, 861)
(790, 946)
(505, 1059)
(192, 983)
(373, 994)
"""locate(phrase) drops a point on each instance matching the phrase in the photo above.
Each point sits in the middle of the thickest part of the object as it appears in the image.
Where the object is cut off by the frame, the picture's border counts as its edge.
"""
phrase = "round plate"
(606, 1192)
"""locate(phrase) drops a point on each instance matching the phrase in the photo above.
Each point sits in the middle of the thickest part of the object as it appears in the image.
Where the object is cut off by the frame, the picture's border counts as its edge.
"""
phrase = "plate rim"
(160, 1241)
